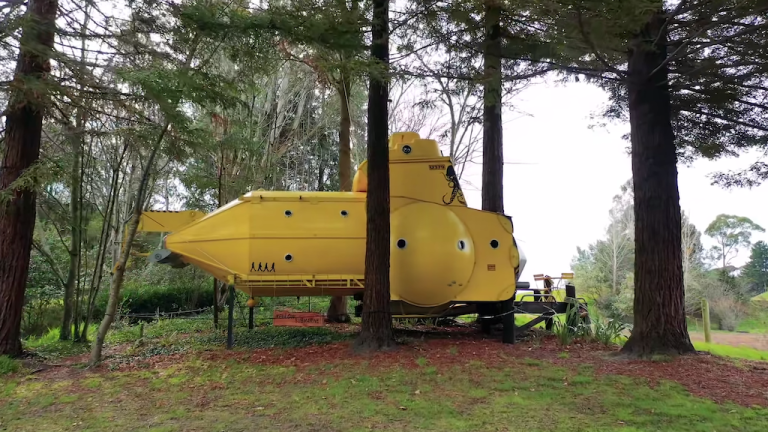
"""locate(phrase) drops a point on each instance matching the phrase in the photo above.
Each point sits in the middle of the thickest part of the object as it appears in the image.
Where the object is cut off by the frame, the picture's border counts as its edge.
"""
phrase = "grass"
(8, 365)
(191, 394)
(524, 395)
(745, 353)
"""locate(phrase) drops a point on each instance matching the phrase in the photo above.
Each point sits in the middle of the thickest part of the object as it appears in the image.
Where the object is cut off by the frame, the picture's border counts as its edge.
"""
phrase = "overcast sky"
(562, 200)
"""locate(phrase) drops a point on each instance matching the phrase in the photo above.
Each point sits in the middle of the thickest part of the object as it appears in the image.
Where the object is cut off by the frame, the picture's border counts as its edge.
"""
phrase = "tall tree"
(23, 133)
(730, 232)
(690, 76)
(376, 332)
(493, 146)
(756, 270)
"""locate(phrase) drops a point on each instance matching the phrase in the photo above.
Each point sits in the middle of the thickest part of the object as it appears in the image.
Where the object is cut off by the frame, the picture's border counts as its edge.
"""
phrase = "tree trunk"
(376, 332)
(74, 245)
(125, 253)
(659, 305)
(23, 133)
(493, 150)
(337, 311)
(109, 216)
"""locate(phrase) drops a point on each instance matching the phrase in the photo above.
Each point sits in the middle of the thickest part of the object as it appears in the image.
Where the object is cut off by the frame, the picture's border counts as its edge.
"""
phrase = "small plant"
(8, 365)
(609, 331)
(563, 355)
(572, 327)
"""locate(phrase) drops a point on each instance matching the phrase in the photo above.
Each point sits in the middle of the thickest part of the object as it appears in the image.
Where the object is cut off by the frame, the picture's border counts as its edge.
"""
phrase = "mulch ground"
(703, 375)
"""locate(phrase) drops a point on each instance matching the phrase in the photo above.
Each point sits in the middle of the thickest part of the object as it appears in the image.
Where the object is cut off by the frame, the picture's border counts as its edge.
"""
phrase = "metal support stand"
(231, 318)
(508, 321)
(250, 318)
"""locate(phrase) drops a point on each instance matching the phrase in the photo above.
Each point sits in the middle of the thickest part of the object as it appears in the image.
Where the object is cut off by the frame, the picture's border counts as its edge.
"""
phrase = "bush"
(161, 288)
(728, 312)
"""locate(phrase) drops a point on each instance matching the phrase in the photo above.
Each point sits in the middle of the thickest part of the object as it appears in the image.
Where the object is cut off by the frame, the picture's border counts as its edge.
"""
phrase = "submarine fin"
(165, 256)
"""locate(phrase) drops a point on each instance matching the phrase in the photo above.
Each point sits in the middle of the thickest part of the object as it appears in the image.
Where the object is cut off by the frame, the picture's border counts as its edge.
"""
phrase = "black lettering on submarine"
(437, 167)
(263, 267)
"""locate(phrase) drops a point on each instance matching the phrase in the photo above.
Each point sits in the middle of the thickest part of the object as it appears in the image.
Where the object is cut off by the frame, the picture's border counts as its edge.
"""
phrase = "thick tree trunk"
(659, 305)
(377, 330)
(23, 133)
(493, 150)
(337, 311)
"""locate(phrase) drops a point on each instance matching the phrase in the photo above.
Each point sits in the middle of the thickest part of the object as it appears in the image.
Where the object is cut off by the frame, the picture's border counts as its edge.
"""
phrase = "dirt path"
(752, 340)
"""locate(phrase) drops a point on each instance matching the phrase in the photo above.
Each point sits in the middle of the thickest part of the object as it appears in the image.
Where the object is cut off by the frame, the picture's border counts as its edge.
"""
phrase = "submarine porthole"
(494, 243)
(401, 243)
(344, 213)
(288, 257)
(406, 149)
(288, 213)
(462, 244)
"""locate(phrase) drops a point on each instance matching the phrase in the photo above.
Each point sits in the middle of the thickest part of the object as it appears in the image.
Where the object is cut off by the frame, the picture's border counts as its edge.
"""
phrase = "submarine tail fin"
(167, 221)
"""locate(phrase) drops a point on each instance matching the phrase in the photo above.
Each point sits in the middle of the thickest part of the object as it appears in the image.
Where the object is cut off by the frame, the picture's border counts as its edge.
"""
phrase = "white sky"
(562, 201)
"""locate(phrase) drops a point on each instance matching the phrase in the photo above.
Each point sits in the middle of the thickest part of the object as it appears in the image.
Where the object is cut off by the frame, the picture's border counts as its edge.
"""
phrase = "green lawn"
(744, 353)
(233, 396)
(181, 379)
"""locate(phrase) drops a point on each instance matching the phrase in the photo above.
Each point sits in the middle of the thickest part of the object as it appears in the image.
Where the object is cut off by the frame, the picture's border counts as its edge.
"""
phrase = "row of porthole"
(343, 213)
(401, 244)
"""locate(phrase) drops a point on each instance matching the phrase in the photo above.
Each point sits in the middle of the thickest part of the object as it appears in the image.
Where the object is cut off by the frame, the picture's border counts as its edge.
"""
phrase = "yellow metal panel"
(167, 221)
(280, 243)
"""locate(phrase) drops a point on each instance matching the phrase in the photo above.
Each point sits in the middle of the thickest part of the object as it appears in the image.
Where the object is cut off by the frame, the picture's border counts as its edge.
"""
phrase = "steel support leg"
(231, 318)
(508, 321)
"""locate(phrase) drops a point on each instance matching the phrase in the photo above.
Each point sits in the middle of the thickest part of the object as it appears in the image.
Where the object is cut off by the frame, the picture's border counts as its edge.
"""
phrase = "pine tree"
(690, 77)
(377, 332)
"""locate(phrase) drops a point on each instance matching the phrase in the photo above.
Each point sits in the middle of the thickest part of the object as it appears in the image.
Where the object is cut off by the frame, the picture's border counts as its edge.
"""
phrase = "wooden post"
(231, 318)
(705, 316)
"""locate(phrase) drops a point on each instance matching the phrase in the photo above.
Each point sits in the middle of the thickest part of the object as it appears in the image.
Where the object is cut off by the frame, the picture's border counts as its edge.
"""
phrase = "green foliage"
(755, 272)
(277, 337)
(43, 306)
(8, 365)
(157, 287)
(609, 331)
(731, 233)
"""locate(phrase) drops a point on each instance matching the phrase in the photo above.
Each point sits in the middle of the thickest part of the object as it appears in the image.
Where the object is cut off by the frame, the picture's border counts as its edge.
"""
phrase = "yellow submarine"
(446, 258)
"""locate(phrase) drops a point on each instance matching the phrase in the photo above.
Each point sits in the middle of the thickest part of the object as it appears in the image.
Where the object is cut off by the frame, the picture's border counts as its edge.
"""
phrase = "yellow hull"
(273, 243)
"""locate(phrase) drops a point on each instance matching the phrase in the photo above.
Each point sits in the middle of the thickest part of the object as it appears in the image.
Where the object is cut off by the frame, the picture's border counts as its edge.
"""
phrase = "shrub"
(728, 311)
(609, 331)
(161, 288)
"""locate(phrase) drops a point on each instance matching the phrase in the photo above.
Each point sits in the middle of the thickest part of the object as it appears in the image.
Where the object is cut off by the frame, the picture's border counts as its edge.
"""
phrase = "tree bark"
(493, 150)
(376, 332)
(98, 268)
(659, 304)
(337, 311)
(74, 246)
(23, 133)
(125, 253)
